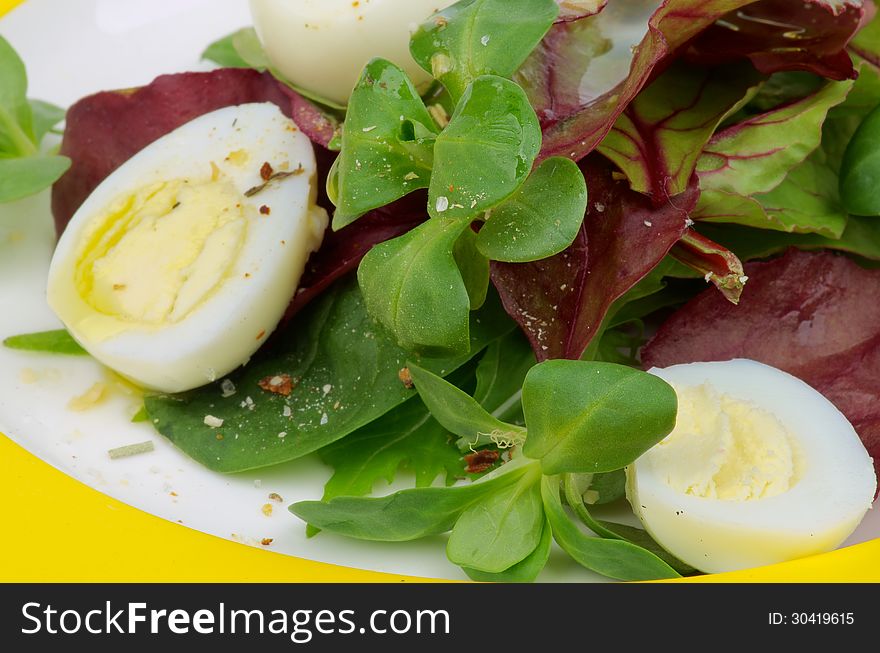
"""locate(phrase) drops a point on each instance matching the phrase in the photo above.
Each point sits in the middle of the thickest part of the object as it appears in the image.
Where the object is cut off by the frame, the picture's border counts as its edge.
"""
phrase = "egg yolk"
(725, 448)
(158, 253)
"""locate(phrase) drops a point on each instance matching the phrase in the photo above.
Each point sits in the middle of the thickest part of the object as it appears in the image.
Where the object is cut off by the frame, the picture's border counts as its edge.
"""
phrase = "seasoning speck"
(227, 388)
(280, 384)
(406, 379)
(213, 422)
(480, 461)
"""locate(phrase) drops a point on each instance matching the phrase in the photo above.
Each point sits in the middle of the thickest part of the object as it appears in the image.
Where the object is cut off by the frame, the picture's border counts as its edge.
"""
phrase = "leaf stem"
(24, 145)
(576, 501)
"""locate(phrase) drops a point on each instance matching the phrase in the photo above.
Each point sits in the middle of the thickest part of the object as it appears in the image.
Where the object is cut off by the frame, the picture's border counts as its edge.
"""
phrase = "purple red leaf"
(814, 315)
(106, 129)
(778, 35)
(580, 79)
(560, 302)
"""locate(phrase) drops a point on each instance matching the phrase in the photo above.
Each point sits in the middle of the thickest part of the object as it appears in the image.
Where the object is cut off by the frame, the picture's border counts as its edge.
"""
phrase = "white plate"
(72, 49)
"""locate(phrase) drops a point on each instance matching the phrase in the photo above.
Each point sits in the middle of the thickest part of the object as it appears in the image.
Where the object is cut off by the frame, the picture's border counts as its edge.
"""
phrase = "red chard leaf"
(778, 35)
(814, 315)
(560, 302)
(660, 136)
(106, 129)
(586, 72)
(715, 262)
(570, 10)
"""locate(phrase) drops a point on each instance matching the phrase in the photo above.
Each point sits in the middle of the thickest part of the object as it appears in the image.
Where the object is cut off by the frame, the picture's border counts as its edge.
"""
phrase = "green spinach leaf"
(860, 172)
(593, 417)
(344, 374)
(540, 219)
(405, 437)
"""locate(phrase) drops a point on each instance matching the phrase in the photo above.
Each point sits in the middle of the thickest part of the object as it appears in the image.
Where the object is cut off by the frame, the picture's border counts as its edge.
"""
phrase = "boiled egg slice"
(760, 468)
(182, 262)
(323, 45)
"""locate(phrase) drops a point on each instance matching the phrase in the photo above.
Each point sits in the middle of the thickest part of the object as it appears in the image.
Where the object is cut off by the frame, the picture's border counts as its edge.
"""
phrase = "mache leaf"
(480, 37)
(588, 417)
(224, 53)
(485, 152)
(22, 177)
(405, 515)
(525, 571)
(13, 89)
(45, 117)
(412, 285)
(457, 411)
(541, 219)
(387, 142)
(614, 558)
(499, 530)
(406, 437)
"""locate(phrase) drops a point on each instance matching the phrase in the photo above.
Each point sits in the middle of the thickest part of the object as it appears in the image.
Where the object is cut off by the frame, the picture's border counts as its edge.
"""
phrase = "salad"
(480, 262)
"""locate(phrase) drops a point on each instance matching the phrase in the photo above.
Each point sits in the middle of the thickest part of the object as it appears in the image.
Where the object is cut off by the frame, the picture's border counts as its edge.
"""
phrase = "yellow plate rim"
(61, 530)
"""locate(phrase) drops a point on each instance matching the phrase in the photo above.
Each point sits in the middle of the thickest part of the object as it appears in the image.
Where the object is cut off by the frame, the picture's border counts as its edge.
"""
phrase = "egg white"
(835, 486)
(233, 321)
(323, 45)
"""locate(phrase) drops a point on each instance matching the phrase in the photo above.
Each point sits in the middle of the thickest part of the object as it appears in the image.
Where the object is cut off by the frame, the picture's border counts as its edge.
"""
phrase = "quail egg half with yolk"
(760, 469)
(182, 262)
